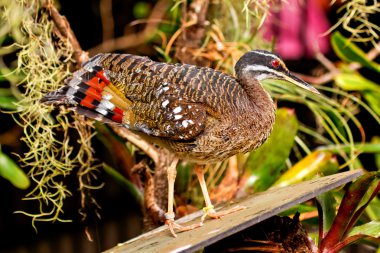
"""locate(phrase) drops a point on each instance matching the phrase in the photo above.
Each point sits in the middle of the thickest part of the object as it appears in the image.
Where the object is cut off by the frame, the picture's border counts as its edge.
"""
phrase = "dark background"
(121, 216)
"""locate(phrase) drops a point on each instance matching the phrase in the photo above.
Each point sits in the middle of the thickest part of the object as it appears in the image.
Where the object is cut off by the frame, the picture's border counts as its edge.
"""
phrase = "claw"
(210, 212)
(174, 226)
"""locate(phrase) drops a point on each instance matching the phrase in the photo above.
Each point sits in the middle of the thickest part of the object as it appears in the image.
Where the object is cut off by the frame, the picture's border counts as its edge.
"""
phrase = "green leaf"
(184, 172)
(5, 91)
(12, 172)
(349, 52)
(369, 229)
(125, 183)
(376, 140)
(348, 213)
(373, 147)
(313, 164)
(373, 209)
(354, 81)
(266, 164)
(327, 203)
(373, 99)
(301, 208)
(141, 10)
(8, 103)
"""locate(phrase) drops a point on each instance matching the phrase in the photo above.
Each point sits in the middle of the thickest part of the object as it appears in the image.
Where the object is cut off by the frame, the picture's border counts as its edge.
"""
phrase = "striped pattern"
(198, 113)
(88, 89)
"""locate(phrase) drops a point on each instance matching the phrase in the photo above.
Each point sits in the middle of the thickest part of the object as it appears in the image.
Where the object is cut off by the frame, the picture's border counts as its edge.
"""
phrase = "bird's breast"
(225, 138)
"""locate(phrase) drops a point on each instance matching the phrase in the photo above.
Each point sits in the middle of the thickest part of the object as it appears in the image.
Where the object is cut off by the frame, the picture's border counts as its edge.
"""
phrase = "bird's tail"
(90, 93)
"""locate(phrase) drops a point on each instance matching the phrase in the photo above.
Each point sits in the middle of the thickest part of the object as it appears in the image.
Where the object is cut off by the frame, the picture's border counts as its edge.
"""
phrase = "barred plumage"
(199, 113)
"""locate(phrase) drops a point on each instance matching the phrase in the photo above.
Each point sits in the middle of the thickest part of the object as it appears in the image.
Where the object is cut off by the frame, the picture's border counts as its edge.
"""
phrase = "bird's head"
(265, 65)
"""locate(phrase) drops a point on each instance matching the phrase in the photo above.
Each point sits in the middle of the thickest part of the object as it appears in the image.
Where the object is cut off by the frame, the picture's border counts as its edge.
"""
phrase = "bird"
(200, 114)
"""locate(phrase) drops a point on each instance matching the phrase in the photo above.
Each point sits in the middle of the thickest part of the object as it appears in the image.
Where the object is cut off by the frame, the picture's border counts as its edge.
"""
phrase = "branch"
(66, 33)
(106, 16)
(136, 140)
(193, 31)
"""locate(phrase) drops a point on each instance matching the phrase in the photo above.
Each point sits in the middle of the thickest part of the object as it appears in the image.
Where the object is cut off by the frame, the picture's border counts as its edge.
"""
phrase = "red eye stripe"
(276, 63)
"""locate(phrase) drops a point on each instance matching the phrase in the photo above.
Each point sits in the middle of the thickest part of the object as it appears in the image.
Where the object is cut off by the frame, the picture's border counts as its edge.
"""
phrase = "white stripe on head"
(273, 56)
(267, 72)
(267, 54)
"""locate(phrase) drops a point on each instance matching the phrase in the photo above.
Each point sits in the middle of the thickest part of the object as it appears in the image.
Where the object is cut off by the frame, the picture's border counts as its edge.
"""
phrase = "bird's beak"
(301, 83)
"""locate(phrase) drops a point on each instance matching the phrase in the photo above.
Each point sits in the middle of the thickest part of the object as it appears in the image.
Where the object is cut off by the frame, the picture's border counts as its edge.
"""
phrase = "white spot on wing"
(178, 109)
(186, 123)
(107, 104)
(107, 96)
(74, 82)
(101, 111)
(165, 103)
(178, 117)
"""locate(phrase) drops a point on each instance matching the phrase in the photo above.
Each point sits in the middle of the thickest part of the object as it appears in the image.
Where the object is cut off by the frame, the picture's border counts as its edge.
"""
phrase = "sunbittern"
(198, 113)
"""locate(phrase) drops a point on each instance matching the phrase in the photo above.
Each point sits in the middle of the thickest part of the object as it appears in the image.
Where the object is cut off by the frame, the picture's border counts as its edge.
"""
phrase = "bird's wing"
(141, 94)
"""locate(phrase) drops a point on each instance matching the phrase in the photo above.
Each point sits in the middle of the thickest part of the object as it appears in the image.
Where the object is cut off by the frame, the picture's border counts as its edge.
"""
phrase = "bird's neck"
(261, 102)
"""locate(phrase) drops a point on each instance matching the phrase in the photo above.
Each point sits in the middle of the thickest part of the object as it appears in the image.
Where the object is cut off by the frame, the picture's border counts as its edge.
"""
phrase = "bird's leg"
(171, 173)
(209, 209)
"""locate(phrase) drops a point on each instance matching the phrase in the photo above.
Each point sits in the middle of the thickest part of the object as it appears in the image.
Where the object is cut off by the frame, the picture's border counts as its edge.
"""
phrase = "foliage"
(342, 231)
(356, 20)
(333, 141)
(10, 171)
(43, 64)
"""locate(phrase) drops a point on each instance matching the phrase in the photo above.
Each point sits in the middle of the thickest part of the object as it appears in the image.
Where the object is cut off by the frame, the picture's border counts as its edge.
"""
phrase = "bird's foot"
(210, 212)
(174, 227)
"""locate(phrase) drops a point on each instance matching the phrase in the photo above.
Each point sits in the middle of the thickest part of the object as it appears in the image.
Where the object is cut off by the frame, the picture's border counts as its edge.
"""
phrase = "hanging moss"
(43, 64)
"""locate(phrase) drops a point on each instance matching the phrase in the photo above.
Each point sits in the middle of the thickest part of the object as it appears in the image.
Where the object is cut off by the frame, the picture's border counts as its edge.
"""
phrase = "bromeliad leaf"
(354, 81)
(8, 103)
(313, 164)
(327, 203)
(12, 172)
(265, 165)
(369, 229)
(373, 100)
(349, 52)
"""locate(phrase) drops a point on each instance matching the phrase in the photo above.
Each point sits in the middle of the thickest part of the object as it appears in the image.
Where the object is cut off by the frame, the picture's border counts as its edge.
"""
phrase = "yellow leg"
(209, 209)
(171, 174)
(170, 215)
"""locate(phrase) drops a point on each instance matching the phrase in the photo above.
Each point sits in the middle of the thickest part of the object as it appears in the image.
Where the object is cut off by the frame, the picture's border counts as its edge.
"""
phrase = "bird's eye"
(276, 63)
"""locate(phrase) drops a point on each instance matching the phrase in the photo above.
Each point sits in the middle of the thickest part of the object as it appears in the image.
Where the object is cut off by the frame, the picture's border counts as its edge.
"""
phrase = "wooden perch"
(259, 207)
